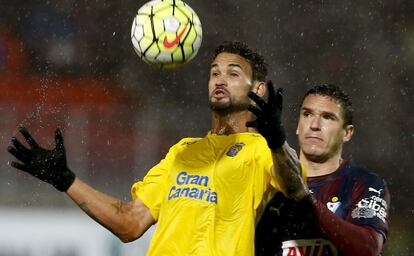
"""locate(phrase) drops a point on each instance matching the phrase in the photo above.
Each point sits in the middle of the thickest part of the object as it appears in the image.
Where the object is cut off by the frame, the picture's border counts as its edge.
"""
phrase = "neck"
(315, 169)
(230, 123)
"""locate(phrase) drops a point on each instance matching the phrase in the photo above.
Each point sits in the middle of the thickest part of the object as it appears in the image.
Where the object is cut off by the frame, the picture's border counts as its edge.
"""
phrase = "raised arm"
(127, 220)
(286, 165)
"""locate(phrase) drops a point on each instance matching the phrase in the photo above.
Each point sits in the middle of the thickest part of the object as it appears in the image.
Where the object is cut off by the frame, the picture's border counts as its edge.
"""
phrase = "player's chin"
(315, 156)
(219, 104)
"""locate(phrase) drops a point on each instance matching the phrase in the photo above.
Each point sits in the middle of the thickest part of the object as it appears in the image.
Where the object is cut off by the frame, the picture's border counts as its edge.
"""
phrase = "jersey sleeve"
(265, 185)
(151, 189)
(371, 201)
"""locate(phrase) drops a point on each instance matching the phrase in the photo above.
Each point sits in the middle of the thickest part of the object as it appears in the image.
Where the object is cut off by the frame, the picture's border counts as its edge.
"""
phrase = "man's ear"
(349, 131)
(259, 87)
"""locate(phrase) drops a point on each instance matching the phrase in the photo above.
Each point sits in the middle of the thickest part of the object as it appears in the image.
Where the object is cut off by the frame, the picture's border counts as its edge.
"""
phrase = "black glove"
(46, 165)
(269, 115)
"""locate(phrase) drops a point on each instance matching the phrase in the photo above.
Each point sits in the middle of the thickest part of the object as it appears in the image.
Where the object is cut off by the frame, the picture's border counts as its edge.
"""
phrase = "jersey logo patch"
(334, 204)
(276, 209)
(235, 149)
(370, 207)
(370, 189)
(192, 186)
(304, 247)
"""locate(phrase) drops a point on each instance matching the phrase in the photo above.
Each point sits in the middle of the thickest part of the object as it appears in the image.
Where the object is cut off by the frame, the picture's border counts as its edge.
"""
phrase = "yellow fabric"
(207, 195)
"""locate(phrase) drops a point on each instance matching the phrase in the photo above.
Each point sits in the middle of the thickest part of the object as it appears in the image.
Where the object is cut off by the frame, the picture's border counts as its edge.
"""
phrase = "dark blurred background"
(70, 64)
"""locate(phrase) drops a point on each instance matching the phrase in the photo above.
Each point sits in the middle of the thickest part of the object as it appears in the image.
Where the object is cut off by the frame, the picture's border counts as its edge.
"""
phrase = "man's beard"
(228, 107)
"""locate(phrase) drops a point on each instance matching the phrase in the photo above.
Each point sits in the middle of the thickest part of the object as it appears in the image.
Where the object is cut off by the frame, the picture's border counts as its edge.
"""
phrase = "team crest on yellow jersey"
(235, 149)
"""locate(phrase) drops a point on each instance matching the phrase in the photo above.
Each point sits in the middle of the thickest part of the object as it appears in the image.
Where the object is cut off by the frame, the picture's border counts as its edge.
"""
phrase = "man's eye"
(306, 113)
(329, 117)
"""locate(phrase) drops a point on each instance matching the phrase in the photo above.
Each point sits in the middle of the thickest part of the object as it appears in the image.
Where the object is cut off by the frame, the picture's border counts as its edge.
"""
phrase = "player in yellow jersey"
(208, 193)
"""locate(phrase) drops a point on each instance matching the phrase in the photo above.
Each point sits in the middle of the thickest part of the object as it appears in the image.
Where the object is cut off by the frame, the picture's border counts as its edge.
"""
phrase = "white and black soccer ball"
(166, 33)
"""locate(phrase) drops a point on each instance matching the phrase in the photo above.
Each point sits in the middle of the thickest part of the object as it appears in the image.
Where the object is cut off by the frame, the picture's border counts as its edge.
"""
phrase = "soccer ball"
(166, 33)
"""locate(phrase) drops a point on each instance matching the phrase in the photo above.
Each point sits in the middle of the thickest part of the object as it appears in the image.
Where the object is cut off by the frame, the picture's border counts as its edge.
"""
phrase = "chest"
(336, 193)
(219, 178)
(205, 166)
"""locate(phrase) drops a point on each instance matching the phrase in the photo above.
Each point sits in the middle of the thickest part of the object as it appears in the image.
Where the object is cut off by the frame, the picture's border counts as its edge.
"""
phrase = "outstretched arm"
(286, 165)
(127, 220)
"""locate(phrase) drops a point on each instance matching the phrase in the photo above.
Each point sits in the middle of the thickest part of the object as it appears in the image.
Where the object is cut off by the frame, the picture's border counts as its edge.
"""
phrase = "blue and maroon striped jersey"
(352, 193)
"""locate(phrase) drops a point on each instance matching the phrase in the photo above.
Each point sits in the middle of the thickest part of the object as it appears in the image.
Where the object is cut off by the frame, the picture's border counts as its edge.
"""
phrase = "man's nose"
(315, 124)
(221, 81)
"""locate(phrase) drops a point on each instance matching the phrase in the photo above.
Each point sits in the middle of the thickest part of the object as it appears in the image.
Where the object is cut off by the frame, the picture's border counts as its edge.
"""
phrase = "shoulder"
(363, 174)
(184, 142)
(255, 140)
(258, 147)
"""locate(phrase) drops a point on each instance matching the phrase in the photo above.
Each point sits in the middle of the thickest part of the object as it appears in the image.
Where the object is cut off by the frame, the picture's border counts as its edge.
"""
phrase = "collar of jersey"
(320, 180)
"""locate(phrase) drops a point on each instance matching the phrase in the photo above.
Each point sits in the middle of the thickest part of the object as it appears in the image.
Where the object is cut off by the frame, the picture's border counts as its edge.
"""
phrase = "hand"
(46, 165)
(269, 115)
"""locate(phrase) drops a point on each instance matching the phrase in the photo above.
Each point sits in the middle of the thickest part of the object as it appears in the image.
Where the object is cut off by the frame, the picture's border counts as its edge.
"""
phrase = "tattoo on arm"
(120, 207)
(291, 163)
(289, 172)
(85, 208)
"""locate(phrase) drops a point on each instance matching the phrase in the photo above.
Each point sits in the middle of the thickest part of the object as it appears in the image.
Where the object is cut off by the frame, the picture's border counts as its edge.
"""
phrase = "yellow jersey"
(207, 195)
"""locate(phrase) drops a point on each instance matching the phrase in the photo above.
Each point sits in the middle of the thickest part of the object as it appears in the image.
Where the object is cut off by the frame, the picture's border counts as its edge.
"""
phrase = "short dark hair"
(256, 60)
(338, 95)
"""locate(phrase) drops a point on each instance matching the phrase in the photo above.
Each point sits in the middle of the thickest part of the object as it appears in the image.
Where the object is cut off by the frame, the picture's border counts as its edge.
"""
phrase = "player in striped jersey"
(347, 210)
